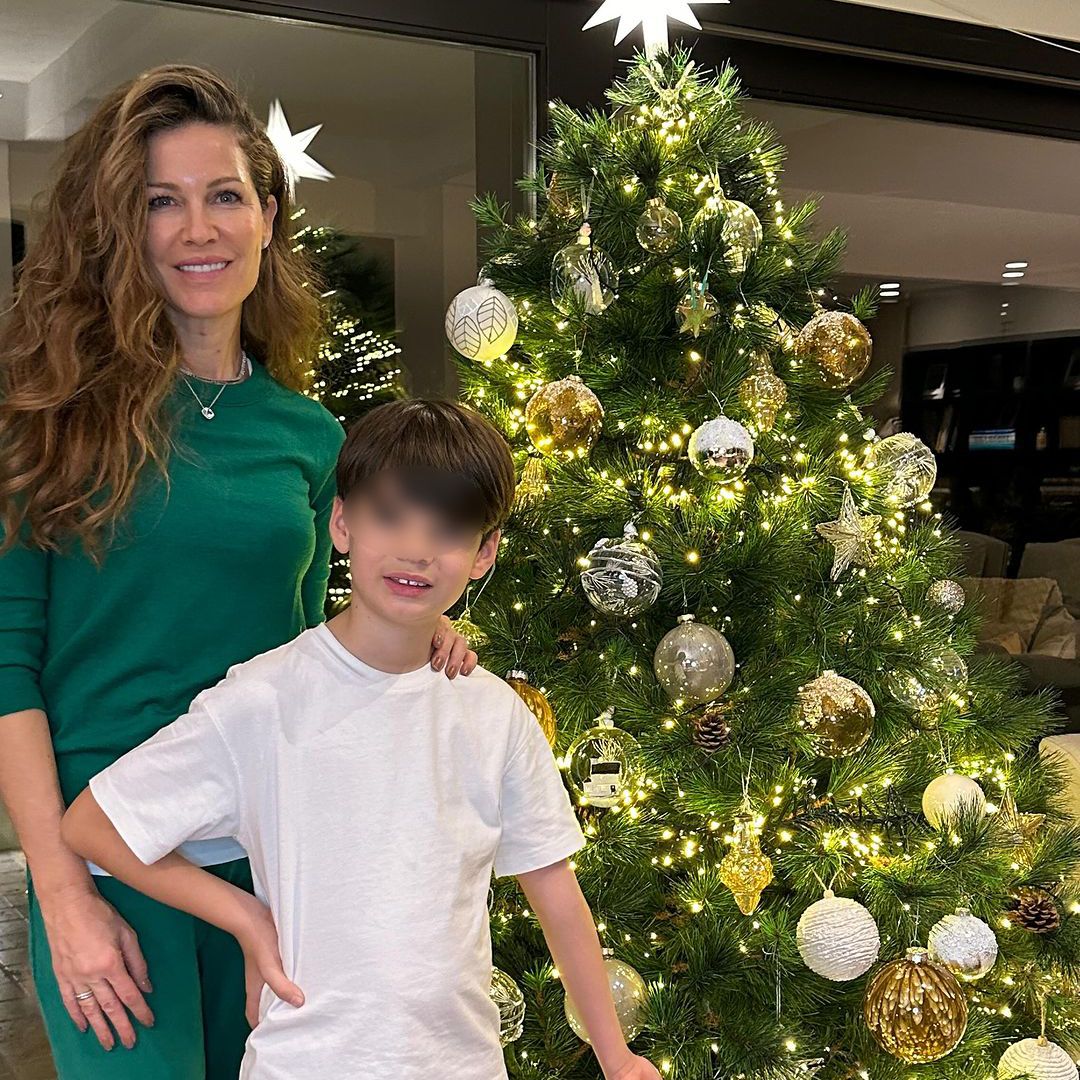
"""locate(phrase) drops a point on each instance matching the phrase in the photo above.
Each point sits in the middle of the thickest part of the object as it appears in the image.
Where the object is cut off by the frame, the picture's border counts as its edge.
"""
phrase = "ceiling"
(1050, 18)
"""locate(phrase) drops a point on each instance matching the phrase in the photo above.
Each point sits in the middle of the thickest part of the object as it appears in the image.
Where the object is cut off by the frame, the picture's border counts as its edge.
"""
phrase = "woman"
(164, 490)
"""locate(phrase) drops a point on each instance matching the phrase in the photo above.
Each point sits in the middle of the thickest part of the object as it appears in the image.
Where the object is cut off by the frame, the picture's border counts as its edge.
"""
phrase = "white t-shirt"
(374, 808)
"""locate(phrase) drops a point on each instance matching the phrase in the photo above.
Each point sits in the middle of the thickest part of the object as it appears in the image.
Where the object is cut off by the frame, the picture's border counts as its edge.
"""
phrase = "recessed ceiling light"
(890, 285)
(1013, 274)
(1016, 266)
(890, 293)
(1004, 303)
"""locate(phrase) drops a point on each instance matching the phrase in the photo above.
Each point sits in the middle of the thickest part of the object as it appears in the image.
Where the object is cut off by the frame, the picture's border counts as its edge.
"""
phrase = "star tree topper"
(651, 16)
(851, 535)
(292, 149)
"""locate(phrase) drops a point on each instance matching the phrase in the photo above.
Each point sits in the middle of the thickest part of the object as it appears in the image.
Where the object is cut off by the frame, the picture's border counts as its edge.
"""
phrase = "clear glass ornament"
(762, 393)
(837, 713)
(507, 996)
(926, 691)
(605, 763)
(582, 277)
(741, 232)
(694, 663)
(564, 418)
(629, 993)
(623, 576)
(904, 469)
(659, 227)
(721, 450)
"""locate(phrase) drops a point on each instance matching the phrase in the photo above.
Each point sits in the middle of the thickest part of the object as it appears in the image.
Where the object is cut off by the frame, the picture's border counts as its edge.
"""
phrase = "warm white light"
(651, 16)
(1016, 266)
(890, 285)
(1013, 274)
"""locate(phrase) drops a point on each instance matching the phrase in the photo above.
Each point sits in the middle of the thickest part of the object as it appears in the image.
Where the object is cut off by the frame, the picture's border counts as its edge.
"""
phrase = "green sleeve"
(313, 587)
(24, 582)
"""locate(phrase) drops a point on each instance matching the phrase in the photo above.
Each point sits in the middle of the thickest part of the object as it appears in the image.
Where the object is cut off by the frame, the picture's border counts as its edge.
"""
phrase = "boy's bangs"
(453, 496)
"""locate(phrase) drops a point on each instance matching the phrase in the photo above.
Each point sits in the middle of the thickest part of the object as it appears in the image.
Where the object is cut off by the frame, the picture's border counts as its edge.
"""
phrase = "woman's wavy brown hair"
(88, 354)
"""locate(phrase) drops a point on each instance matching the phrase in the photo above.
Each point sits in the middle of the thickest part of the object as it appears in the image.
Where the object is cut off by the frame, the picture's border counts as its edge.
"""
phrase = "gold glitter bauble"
(537, 701)
(838, 343)
(916, 1009)
(564, 418)
(762, 393)
(475, 637)
(746, 870)
(837, 713)
(507, 996)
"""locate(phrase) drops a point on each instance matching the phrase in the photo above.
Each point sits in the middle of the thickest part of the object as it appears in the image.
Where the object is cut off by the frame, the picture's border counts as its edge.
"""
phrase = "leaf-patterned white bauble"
(481, 322)
(838, 938)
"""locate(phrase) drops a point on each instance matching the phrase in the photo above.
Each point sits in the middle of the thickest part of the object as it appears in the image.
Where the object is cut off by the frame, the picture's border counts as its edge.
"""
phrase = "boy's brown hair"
(445, 456)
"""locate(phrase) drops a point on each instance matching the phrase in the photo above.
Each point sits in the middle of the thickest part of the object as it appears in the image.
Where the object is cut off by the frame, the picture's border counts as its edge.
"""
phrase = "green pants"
(198, 998)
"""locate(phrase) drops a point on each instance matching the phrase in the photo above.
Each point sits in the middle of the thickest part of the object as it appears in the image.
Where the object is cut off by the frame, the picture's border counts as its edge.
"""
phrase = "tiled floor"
(24, 1052)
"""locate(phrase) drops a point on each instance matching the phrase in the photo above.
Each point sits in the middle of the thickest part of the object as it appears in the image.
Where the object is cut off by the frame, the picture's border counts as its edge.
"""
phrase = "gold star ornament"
(852, 535)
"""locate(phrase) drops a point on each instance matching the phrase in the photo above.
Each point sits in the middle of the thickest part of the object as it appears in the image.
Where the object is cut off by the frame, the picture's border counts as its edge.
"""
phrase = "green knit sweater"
(231, 561)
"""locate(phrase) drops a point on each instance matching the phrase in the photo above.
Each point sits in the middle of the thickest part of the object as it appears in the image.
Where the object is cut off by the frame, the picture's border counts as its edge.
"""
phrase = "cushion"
(1060, 561)
(1009, 607)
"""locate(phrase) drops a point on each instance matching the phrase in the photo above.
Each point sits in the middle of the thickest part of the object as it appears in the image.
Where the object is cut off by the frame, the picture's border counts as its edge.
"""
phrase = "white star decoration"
(851, 535)
(651, 16)
(299, 165)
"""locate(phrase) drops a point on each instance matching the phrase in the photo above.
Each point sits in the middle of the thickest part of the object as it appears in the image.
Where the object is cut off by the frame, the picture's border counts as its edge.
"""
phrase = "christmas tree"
(820, 838)
(357, 366)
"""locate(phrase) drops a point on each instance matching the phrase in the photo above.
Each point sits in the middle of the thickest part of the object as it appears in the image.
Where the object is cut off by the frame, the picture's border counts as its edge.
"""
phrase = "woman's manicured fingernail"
(147, 986)
(438, 663)
(438, 640)
(451, 670)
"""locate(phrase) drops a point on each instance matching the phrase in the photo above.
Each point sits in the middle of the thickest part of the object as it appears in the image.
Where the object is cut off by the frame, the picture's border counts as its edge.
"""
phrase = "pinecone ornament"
(712, 732)
(1035, 910)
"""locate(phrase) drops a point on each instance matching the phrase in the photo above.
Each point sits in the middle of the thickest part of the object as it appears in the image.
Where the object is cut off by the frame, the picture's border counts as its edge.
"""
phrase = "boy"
(373, 796)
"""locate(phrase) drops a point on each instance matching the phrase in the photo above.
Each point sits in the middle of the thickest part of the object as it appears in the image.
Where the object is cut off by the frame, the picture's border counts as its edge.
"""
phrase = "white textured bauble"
(1038, 1058)
(947, 594)
(964, 944)
(838, 938)
(628, 991)
(950, 795)
(481, 322)
(904, 469)
(510, 1002)
(721, 450)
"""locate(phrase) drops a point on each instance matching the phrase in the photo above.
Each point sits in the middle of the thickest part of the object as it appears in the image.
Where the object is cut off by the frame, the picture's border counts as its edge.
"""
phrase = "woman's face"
(205, 227)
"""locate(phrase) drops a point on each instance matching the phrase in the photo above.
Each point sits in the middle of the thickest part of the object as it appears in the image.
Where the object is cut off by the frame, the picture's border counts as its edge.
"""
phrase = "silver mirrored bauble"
(623, 576)
(721, 449)
(694, 662)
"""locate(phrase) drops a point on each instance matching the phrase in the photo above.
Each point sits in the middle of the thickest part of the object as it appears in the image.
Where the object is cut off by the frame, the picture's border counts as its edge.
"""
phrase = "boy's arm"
(87, 830)
(554, 894)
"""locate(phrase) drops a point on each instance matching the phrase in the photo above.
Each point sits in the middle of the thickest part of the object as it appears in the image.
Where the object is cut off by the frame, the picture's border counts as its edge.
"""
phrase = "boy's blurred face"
(408, 563)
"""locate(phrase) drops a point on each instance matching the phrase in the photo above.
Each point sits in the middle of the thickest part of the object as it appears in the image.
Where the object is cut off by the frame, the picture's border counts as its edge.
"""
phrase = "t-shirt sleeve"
(313, 587)
(539, 826)
(181, 784)
(24, 578)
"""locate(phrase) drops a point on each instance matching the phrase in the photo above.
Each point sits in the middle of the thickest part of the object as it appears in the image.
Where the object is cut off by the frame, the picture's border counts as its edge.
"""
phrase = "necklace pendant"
(208, 412)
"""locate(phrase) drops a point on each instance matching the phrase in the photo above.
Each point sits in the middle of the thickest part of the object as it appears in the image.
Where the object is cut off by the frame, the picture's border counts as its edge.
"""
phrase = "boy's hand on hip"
(635, 1068)
(262, 961)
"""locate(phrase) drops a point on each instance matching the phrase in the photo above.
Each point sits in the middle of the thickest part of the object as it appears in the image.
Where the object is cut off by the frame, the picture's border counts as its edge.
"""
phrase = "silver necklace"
(208, 409)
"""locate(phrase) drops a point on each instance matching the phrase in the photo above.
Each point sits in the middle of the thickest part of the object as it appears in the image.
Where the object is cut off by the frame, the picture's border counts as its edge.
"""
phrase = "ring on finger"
(86, 995)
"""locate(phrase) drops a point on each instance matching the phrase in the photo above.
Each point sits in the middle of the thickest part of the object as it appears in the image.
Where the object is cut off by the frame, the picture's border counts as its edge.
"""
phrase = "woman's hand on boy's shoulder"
(449, 649)
(635, 1068)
